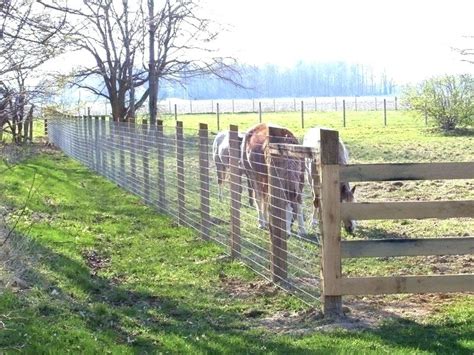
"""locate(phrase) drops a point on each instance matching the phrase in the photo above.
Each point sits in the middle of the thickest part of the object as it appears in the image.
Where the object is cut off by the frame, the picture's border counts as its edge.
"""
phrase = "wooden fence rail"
(332, 211)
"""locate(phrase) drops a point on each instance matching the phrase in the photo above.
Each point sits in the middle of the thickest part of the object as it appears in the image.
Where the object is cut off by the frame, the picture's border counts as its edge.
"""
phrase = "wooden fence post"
(161, 167)
(190, 106)
(180, 172)
(315, 105)
(235, 190)
(132, 138)
(96, 144)
(344, 113)
(302, 114)
(233, 107)
(260, 112)
(175, 112)
(113, 136)
(375, 103)
(335, 103)
(103, 146)
(204, 179)
(277, 216)
(218, 117)
(122, 173)
(90, 133)
(384, 112)
(46, 128)
(396, 103)
(145, 161)
(294, 104)
(331, 223)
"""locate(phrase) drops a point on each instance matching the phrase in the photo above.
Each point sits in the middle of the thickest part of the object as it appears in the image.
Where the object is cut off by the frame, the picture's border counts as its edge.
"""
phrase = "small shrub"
(448, 100)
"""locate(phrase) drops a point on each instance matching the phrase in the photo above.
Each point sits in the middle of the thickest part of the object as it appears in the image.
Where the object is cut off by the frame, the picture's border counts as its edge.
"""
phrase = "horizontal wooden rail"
(406, 284)
(407, 210)
(416, 171)
(293, 149)
(407, 247)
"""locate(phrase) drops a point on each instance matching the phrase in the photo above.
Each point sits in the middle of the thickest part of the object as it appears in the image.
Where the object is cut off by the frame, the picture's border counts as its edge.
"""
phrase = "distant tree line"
(303, 79)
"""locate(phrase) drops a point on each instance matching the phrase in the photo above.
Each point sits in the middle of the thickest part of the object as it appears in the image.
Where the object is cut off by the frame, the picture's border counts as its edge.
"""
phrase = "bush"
(448, 100)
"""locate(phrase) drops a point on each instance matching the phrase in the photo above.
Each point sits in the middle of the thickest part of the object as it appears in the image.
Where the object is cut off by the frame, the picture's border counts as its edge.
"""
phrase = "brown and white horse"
(312, 138)
(254, 160)
(221, 157)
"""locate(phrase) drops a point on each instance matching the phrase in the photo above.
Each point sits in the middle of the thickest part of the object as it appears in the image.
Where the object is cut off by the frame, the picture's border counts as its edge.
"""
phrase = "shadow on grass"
(142, 321)
(119, 315)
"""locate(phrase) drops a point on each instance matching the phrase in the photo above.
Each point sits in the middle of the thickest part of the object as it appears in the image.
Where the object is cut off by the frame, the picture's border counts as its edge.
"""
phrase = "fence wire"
(174, 170)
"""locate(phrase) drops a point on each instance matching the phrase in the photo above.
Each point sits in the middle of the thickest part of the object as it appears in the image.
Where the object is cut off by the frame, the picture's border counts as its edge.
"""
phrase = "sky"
(410, 39)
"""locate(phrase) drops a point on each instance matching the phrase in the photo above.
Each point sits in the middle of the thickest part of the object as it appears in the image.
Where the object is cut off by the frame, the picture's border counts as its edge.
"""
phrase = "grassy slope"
(158, 287)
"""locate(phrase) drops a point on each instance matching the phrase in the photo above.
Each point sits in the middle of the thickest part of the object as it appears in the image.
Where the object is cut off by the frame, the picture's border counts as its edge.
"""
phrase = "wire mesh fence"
(175, 170)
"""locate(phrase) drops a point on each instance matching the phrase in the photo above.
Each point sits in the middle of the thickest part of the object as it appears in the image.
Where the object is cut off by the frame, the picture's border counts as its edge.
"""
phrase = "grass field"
(87, 274)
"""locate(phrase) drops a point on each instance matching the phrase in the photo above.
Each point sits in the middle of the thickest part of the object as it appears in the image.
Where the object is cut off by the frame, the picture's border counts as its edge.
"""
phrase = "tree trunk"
(153, 83)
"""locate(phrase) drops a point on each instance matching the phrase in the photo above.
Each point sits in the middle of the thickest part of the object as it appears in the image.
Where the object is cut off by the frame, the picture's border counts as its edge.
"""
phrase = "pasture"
(118, 276)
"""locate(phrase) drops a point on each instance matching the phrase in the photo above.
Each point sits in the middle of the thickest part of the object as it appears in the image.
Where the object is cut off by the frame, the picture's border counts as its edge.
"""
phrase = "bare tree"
(109, 34)
(28, 38)
(113, 32)
(180, 39)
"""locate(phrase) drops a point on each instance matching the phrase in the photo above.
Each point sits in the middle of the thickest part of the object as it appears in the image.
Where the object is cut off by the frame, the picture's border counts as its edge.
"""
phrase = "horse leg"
(300, 218)
(251, 193)
(220, 178)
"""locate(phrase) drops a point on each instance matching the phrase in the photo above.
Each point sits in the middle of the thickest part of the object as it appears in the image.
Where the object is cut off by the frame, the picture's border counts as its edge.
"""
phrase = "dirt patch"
(360, 313)
(95, 261)
(236, 288)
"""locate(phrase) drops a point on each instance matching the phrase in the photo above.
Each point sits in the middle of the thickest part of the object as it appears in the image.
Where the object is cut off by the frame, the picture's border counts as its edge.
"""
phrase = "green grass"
(106, 273)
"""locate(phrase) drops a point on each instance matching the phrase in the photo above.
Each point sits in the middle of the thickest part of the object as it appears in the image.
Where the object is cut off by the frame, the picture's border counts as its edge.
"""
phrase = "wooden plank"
(235, 191)
(407, 247)
(122, 173)
(161, 166)
(180, 172)
(132, 144)
(407, 210)
(145, 161)
(204, 179)
(292, 149)
(277, 217)
(103, 146)
(406, 284)
(331, 223)
(96, 144)
(416, 171)
(113, 135)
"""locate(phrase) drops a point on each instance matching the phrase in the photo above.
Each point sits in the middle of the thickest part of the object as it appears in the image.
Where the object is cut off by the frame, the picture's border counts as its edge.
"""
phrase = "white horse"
(221, 157)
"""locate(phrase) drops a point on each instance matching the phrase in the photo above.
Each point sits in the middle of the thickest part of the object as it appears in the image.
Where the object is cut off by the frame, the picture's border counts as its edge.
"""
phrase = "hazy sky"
(412, 39)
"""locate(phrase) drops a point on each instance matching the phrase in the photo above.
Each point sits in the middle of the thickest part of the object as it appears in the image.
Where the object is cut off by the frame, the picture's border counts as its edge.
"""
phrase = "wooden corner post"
(331, 224)
(277, 213)
(204, 179)
(180, 172)
(161, 166)
(235, 190)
